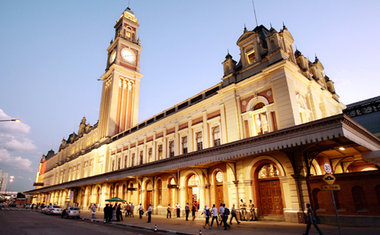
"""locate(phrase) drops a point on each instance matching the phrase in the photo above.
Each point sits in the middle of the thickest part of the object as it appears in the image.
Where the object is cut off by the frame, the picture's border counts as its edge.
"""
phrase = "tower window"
(251, 56)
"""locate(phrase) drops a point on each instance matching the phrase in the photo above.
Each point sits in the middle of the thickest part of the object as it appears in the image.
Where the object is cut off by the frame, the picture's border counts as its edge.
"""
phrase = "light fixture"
(342, 148)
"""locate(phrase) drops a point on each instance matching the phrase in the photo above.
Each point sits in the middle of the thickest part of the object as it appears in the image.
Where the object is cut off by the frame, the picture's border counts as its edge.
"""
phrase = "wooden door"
(219, 194)
(148, 199)
(270, 197)
(189, 195)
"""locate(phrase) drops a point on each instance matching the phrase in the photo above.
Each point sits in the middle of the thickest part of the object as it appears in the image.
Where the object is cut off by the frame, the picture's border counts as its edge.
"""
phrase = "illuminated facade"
(263, 133)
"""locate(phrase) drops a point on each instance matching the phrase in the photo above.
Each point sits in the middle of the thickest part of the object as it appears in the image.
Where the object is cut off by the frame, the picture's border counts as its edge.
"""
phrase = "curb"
(135, 227)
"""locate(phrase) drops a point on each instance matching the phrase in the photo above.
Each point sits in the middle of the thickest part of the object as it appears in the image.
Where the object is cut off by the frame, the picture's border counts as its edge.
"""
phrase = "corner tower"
(121, 81)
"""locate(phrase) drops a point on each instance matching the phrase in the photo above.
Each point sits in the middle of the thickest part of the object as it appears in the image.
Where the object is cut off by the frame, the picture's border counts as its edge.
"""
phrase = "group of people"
(194, 208)
(110, 211)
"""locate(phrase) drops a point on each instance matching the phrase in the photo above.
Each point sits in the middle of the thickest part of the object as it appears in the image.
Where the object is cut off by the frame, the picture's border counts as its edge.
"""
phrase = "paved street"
(21, 221)
(14, 221)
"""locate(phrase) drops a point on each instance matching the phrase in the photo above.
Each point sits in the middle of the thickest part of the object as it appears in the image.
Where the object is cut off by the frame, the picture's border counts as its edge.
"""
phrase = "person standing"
(169, 212)
(132, 209)
(93, 211)
(233, 214)
(226, 213)
(178, 210)
(243, 210)
(141, 211)
(119, 215)
(105, 212)
(311, 219)
(251, 211)
(193, 210)
(207, 214)
(214, 216)
(149, 213)
(187, 210)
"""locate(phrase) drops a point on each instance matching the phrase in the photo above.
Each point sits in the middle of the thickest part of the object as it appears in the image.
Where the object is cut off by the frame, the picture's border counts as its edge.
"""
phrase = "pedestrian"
(193, 210)
(93, 211)
(131, 209)
(169, 212)
(105, 211)
(214, 215)
(207, 214)
(149, 213)
(187, 210)
(126, 210)
(226, 213)
(178, 210)
(252, 215)
(233, 214)
(311, 219)
(221, 210)
(110, 212)
(141, 211)
(119, 215)
(243, 210)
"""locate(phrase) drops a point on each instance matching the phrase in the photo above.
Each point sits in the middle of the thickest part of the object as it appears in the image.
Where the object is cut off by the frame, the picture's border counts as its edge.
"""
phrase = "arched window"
(268, 171)
(216, 135)
(358, 198)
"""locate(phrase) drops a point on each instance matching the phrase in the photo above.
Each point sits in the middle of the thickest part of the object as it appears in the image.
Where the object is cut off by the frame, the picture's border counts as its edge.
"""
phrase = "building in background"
(3, 181)
(268, 132)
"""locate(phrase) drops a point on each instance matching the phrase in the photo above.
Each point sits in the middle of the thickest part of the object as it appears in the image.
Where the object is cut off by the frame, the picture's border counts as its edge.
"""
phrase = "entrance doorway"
(148, 194)
(193, 190)
(218, 179)
(270, 195)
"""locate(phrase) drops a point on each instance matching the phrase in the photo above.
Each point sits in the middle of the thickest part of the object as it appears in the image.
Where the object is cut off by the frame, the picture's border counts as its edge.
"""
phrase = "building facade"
(264, 133)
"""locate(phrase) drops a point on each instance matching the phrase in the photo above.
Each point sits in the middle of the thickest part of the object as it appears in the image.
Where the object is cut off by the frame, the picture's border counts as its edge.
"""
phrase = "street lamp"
(11, 120)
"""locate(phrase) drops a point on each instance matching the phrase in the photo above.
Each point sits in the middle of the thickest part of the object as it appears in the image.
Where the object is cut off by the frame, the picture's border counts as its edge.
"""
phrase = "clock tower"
(121, 81)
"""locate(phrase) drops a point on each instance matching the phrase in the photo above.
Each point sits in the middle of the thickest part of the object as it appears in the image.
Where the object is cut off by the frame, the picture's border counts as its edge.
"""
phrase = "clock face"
(219, 177)
(112, 56)
(128, 55)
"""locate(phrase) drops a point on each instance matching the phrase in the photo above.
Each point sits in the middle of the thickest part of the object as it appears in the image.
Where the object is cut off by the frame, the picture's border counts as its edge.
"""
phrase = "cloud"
(15, 145)
(15, 162)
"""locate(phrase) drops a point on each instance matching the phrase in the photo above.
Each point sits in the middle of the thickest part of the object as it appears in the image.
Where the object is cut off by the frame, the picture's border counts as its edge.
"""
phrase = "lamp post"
(11, 120)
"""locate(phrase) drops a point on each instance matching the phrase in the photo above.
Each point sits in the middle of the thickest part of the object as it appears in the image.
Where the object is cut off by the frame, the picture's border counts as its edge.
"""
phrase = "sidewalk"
(181, 226)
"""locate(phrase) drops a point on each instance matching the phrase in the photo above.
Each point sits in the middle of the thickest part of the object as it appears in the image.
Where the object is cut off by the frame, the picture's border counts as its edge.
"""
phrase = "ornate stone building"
(263, 133)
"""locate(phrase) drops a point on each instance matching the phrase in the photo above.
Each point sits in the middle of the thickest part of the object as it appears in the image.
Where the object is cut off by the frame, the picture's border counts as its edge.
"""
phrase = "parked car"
(71, 212)
(46, 210)
(56, 210)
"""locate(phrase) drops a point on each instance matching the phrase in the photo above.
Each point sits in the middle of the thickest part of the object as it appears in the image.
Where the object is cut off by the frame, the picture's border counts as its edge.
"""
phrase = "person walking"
(178, 210)
(214, 216)
(187, 210)
(193, 210)
(226, 213)
(141, 211)
(233, 214)
(149, 213)
(207, 214)
(169, 212)
(221, 210)
(311, 219)
(93, 211)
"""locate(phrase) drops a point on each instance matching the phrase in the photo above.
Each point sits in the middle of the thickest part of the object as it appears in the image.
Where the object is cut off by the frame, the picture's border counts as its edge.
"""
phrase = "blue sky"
(53, 52)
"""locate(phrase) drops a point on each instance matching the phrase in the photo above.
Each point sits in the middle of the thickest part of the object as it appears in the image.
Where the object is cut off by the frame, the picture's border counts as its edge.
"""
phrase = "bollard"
(200, 232)
(155, 228)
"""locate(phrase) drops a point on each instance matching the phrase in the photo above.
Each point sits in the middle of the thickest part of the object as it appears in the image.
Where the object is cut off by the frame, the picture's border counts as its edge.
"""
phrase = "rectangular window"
(150, 155)
(199, 140)
(184, 145)
(141, 157)
(159, 152)
(171, 149)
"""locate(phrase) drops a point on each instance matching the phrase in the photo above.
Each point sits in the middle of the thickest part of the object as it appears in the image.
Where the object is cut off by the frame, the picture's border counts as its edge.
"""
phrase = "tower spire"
(254, 11)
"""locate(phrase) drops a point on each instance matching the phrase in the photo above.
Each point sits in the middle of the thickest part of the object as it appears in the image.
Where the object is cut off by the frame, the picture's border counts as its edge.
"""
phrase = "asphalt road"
(20, 221)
